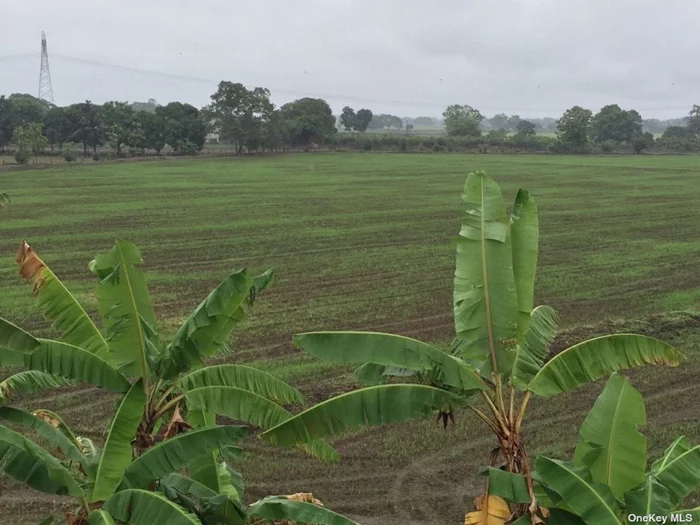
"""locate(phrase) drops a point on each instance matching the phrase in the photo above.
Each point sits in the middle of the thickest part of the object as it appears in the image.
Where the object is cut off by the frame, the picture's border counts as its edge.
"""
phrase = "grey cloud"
(410, 57)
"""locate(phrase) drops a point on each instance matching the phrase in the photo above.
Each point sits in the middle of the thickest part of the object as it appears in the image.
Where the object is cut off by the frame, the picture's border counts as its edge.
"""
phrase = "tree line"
(248, 120)
(578, 130)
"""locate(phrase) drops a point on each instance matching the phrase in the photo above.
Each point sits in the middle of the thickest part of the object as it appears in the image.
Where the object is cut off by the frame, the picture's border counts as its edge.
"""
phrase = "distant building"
(212, 138)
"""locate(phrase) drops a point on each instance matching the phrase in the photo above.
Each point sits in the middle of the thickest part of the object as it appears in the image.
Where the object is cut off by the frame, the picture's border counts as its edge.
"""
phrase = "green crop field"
(364, 241)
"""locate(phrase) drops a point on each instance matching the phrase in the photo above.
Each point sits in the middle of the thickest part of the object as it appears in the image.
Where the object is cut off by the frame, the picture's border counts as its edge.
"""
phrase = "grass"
(363, 241)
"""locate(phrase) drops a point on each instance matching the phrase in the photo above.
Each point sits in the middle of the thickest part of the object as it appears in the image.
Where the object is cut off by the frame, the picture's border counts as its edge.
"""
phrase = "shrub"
(188, 148)
(437, 148)
(428, 143)
(95, 156)
(21, 156)
(368, 145)
(68, 154)
(608, 145)
(404, 145)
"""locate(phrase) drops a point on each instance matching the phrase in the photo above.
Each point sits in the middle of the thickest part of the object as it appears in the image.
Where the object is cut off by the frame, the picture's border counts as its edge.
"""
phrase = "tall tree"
(612, 123)
(119, 121)
(182, 123)
(526, 128)
(5, 122)
(463, 120)
(153, 127)
(573, 127)
(347, 118)
(694, 120)
(57, 126)
(27, 109)
(308, 120)
(87, 125)
(362, 120)
(239, 114)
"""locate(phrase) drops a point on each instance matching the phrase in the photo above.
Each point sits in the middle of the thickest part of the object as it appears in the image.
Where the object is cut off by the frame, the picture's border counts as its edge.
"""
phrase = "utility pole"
(45, 89)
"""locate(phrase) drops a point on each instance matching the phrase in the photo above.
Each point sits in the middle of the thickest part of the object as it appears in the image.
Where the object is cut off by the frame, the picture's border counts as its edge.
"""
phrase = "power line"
(282, 91)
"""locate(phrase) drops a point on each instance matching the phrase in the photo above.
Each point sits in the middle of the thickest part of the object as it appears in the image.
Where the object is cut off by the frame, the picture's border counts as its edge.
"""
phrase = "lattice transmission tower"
(45, 89)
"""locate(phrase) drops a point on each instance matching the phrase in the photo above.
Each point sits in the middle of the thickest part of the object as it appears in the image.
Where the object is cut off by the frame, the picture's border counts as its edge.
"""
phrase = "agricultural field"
(364, 241)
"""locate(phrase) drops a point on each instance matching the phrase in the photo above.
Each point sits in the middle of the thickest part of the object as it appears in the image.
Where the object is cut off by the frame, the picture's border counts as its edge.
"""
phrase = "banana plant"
(110, 485)
(500, 355)
(607, 482)
(127, 349)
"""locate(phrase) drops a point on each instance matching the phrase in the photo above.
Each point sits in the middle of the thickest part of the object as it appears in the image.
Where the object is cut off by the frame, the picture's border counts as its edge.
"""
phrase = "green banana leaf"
(206, 331)
(598, 358)
(100, 517)
(485, 301)
(612, 425)
(507, 485)
(141, 507)
(15, 343)
(390, 350)
(534, 348)
(593, 502)
(28, 382)
(243, 377)
(57, 421)
(60, 306)
(681, 474)
(71, 362)
(524, 231)
(51, 434)
(680, 446)
(117, 452)
(371, 374)
(651, 497)
(689, 515)
(174, 453)
(376, 405)
(238, 404)
(204, 469)
(28, 463)
(126, 309)
(281, 508)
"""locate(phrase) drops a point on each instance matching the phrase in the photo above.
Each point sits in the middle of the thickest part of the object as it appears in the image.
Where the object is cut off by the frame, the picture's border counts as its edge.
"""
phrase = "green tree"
(424, 121)
(462, 121)
(308, 120)
(694, 120)
(57, 126)
(499, 121)
(26, 109)
(239, 114)
(385, 121)
(5, 122)
(347, 118)
(153, 126)
(181, 123)
(500, 353)
(526, 128)
(119, 121)
(573, 126)
(643, 142)
(29, 139)
(614, 124)
(362, 120)
(87, 125)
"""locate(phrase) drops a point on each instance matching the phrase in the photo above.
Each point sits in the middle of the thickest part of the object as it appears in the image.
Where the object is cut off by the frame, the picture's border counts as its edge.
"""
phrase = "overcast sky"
(407, 57)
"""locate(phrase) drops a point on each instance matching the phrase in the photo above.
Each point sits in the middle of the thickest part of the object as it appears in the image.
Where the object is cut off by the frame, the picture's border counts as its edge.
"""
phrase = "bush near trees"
(499, 359)
(30, 141)
(573, 129)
